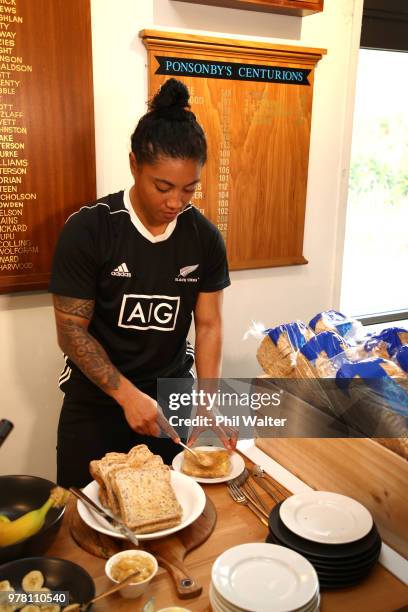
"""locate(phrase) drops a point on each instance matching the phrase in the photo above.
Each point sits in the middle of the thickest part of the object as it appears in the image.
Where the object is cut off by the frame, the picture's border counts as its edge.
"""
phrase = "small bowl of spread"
(124, 563)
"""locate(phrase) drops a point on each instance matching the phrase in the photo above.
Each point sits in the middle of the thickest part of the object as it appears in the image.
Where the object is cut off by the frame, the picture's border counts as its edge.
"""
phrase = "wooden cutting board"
(170, 551)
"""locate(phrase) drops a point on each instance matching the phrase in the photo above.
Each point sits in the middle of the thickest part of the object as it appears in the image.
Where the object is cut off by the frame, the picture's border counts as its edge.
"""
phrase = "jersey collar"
(139, 225)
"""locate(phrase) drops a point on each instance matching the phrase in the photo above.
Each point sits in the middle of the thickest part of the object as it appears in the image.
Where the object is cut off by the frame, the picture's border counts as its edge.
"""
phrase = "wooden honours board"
(254, 102)
(47, 151)
(285, 7)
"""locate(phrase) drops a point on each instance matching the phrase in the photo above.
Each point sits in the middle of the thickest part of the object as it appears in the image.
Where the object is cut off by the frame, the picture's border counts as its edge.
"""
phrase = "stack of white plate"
(334, 532)
(263, 578)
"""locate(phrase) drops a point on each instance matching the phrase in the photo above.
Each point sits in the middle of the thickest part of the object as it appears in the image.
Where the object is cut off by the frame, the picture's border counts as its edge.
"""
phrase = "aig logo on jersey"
(149, 312)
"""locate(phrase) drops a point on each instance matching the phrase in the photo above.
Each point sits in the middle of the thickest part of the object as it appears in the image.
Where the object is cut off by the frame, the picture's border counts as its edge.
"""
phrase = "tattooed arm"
(72, 318)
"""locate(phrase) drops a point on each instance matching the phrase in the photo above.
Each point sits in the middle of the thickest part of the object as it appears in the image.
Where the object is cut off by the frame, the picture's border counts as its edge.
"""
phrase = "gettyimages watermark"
(216, 408)
(264, 407)
(209, 400)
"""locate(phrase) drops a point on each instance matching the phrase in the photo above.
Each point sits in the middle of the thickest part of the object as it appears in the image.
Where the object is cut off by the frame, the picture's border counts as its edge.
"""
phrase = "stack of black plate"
(337, 565)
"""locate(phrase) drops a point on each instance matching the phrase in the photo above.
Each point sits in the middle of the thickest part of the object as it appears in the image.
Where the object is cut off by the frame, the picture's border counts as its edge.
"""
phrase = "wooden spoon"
(77, 607)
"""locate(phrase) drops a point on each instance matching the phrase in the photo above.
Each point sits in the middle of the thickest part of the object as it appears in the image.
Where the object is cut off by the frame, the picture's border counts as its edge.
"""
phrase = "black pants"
(91, 426)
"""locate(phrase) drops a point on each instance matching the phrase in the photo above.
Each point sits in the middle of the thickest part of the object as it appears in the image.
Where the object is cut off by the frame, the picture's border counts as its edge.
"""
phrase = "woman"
(128, 273)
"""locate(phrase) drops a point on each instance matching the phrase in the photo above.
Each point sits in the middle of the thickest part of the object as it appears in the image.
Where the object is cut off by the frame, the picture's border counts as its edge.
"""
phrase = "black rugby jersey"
(145, 288)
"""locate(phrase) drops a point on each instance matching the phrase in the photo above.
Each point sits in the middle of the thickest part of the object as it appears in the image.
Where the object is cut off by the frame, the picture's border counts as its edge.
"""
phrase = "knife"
(113, 521)
(259, 480)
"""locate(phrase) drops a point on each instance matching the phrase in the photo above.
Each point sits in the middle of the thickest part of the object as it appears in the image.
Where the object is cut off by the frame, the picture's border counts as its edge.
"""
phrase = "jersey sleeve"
(216, 275)
(75, 266)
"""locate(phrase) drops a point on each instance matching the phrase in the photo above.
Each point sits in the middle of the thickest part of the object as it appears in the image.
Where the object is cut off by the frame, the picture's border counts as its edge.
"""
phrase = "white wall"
(29, 358)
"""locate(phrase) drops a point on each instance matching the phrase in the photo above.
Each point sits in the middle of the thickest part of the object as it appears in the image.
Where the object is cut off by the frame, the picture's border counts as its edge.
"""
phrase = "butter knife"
(266, 488)
(113, 521)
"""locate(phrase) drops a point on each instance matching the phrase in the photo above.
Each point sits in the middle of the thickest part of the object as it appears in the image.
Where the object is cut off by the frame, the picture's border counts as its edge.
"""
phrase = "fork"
(240, 498)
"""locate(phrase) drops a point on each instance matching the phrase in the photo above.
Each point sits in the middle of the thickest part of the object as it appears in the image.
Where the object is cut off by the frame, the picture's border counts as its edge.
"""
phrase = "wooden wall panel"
(46, 116)
(254, 184)
(297, 8)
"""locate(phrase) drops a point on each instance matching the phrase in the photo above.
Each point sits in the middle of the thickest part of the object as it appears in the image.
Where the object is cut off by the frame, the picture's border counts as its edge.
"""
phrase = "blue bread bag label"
(295, 331)
(335, 319)
(329, 342)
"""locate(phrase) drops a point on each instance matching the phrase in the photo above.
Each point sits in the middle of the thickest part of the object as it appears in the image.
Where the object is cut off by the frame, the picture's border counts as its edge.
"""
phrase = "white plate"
(190, 495)
(326, 517)
(237, 465)
(218, 604)
(221, 605)
(264, 577)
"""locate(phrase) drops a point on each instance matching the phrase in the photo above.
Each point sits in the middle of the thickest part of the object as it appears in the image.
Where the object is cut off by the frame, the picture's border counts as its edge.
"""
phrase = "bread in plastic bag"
(378, 401)
(332, 320)
(401, 357)
(278, 351)
(385, 343)
(325, 352)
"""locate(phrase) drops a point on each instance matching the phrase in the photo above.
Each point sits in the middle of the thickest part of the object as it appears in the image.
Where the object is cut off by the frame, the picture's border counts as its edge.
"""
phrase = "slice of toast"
(155, 461)
(137, 458)
(220, 464)
(97, 470)
(102, 469)
(159, 526)
(103, 497)
(105, 469)
(94, 471)
(146, 498)
(138, 455)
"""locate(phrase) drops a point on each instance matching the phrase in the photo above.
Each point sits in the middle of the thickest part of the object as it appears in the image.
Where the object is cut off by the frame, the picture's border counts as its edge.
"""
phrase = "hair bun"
(172, 96)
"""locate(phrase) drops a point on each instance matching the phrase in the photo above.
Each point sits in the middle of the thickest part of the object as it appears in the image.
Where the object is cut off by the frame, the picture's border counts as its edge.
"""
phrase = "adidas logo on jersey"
(121, 270)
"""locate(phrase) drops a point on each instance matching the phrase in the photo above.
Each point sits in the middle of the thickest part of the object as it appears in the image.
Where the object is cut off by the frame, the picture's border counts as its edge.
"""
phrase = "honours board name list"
(17, 252)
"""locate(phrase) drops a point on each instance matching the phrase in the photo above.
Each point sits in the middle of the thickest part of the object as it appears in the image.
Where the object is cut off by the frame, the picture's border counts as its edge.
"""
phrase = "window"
(375, 264)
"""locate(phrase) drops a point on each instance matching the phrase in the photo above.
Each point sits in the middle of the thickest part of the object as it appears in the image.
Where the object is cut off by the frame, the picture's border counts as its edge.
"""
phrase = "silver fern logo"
(184, 274)
(187, 270)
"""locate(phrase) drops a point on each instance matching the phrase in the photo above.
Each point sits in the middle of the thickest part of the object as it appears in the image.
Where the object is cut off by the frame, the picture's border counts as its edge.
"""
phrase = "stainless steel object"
(251, 492)
(261, 482)
(269, 484)
(113, 521)
(248, 490)
(240, 498)
(244, 492)
(203, 460)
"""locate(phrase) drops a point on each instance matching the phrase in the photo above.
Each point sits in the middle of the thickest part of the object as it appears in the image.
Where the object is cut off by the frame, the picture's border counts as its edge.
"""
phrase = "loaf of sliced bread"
(146, 498)
(137, 487)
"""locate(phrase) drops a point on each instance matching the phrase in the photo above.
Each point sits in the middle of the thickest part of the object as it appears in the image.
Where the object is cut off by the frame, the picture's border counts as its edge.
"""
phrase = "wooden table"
(381, 592)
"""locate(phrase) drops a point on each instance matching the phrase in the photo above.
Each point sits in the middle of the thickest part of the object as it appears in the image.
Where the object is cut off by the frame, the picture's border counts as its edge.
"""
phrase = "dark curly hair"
(169, 128)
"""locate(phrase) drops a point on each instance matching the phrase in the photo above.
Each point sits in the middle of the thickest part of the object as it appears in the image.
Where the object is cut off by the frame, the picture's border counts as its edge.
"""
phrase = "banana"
(32, 581)
(30, 523)
(8, 607)
(5, 586)
(4, 518)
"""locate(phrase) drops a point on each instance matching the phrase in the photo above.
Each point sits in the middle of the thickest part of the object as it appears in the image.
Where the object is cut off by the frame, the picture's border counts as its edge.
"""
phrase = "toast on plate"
(220, 465)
